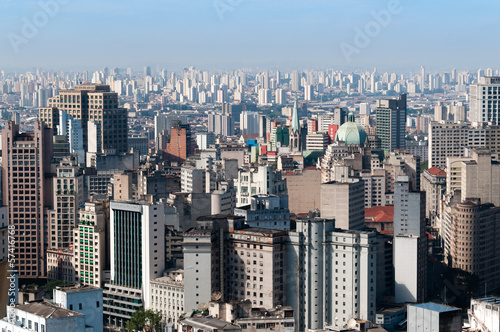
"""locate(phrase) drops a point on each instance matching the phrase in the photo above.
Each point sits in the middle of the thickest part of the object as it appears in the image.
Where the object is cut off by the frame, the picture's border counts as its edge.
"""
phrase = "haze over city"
(224, 34)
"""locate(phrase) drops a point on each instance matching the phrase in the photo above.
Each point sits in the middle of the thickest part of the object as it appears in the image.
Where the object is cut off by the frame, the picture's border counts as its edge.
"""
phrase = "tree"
(148, 320)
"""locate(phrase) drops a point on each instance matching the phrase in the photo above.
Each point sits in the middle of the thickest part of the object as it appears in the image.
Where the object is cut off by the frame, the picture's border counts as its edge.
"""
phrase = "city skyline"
(227, 34)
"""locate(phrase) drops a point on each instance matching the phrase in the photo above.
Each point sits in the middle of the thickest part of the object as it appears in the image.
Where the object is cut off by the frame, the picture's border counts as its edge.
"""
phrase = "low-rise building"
(167, 296)
(484, 314)
(434, 317)
(42, 316)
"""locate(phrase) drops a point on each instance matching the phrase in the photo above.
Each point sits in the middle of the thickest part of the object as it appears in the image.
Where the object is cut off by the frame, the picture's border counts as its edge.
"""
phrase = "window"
(80, 306)
(97, 304)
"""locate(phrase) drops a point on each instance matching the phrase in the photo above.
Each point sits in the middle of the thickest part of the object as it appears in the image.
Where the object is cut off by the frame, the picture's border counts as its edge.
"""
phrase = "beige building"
(90, 244)
(433, 182)
(476, 177)
(60, 265)
(68, 196)
(344, 201)
(26, 161)
(122, 186)
(95, 103)
(304, 190)
(470, 233)
(167, 296)
(256, 266)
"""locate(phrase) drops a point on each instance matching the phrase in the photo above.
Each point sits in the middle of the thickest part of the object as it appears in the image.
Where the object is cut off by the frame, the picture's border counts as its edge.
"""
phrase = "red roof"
(379, 214)
(436, 171)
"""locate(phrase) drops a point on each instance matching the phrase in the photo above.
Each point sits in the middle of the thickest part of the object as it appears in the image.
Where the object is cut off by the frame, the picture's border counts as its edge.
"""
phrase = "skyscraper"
(25, 168)
(485, 100)
(410, 243)
(180, 145)
(391, 123)
(137, 237)
(91, 102)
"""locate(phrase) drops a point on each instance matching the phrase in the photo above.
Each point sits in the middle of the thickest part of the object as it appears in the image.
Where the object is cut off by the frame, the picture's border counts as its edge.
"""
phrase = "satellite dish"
(216, 296)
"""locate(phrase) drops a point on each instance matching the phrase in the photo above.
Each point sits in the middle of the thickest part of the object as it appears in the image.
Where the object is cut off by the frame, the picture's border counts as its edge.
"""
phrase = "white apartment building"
(90, 244)
(167, 297)
(42, 317)
(193, 180)
(484, 100)
(258, 180)
(332, 275)
(317, 141)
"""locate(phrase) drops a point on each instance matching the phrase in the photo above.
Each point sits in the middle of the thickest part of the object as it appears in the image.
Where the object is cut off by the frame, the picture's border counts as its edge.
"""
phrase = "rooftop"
(436, 171)
(435, 307)
(46, 310)
(492, 300)
(212, 323)
(74, 289)
(379, 214)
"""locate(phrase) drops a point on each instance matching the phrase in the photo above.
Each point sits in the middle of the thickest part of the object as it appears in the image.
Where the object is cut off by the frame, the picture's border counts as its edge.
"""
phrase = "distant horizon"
(393, 35)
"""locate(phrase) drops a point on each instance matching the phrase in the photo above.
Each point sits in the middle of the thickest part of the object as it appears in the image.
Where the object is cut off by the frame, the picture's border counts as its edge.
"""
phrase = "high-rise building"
(249, 123)
(90, 237)
(68, 196)
(485, 101)
(391, 122)
(96, 103)
(410, 243)
(180, 145)
(334, 275)
(308, 92)
(26, 192)
(295, 81)
(266, 211)
(280, 97)
(344, 201)
(221, 124)
(137, 243)
(433, 182)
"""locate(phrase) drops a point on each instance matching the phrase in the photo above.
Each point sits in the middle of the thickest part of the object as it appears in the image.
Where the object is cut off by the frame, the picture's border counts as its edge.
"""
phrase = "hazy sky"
(211, 34)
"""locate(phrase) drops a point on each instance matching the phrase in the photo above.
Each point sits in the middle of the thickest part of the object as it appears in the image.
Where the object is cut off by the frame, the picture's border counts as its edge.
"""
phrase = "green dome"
(351, 133)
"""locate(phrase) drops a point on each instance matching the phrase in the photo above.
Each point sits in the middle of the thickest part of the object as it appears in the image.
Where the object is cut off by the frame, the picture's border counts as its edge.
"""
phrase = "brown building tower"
(180, 146)
(27, 192)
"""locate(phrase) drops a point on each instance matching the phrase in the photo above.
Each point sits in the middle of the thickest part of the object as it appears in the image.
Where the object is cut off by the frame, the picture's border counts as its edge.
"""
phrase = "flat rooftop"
(435, 307)
(75, 289)
(212, 323)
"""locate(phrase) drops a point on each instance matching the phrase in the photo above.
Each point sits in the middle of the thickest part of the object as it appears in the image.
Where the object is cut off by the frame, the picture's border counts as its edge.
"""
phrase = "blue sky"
(305, 34)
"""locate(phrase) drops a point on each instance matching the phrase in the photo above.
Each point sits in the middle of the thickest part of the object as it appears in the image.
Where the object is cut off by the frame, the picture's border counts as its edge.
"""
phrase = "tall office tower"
(68, 196)
(295, 81)
(422, 79)
(137, 242)
(364, 109)
(391, 122)
(280, 97)
(484, 98)
(433, 181)
(258, 180)
(334, 275)
(458, 112)
(446, 139)
(249, 123)
(96, 103)
(90, 236)
(263, 126)
(163, 121)
(410, 243)
(180, 146)
(278, 78)
(344, 201)
(222, 96)
(454, 75)
(308, 92)
(26, 192)
(295, 132)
